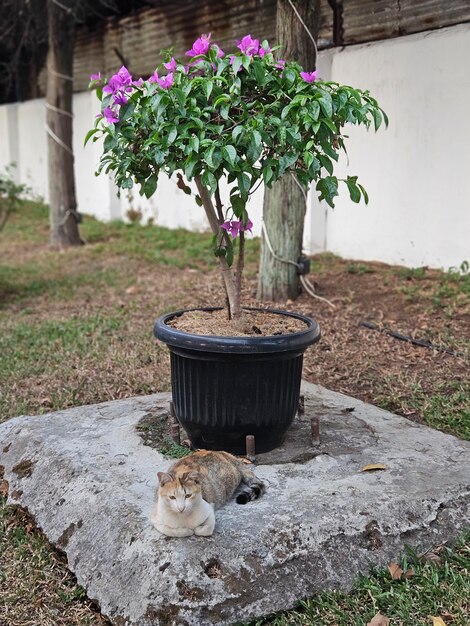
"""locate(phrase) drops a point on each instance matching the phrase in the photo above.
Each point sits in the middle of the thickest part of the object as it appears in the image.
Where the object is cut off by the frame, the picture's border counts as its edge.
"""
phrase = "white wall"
(416, 172)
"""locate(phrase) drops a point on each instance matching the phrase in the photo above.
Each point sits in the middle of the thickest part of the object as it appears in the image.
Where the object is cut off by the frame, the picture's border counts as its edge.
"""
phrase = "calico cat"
(196, 485)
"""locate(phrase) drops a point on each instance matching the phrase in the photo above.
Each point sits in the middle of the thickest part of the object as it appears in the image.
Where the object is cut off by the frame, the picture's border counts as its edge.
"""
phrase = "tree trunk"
(62, 213)
(284, 204)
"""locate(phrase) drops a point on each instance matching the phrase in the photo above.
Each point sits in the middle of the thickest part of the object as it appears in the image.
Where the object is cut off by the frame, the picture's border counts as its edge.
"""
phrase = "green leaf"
(328, 188)
(326, 104)
(326, 163)
(364, 193)
(209, 180)
(377, 118)
(171, 135)
(354, 190)
(189, 166)
(194, 143)
(259, 72)
(288, 77)
(236, 65)
(110, 142)
(150, 186)
(208, 86)
(267, 174)
(244, 184)
(236, 132)
(229, 154)
(89, 134)
(126, 111)
(238, 205)
(286, 161)
(179, 95)
(329, 124)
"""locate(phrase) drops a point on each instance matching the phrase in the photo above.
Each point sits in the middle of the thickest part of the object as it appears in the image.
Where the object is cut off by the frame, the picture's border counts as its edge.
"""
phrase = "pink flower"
(220, 52)
(200, 46)
(309, 77)
(120, 98)
(95, 76)
(262, 51)
(248, 45)
(234, 227)
(171, 65)
(280, 64)
(166, 81)
(138, 83)
(110, 115)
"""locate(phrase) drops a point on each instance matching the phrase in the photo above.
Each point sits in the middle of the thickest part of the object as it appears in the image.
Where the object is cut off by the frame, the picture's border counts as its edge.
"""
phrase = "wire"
(52, 134)
(310, 289)
(268, 241)
(305, 26)
(57, 110)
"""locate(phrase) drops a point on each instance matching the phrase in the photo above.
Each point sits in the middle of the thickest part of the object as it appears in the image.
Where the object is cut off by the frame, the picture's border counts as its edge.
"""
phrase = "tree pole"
(63, 205)
(284, 203)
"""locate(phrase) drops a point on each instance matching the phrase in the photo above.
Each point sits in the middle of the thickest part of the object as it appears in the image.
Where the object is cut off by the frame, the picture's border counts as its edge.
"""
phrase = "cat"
(190, 491)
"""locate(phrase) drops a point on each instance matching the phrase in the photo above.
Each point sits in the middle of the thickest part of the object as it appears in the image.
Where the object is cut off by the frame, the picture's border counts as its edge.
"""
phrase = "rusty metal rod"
(250, 448)
(315, 430)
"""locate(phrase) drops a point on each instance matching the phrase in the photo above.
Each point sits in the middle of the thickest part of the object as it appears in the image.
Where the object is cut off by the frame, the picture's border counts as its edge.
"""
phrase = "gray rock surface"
(88, 480)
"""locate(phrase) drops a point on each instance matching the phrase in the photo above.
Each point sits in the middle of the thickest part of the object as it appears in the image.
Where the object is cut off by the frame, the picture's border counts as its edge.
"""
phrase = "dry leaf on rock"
(379, 620)
(395, 571)
(374, 466)
(3, 488)
(437, 621)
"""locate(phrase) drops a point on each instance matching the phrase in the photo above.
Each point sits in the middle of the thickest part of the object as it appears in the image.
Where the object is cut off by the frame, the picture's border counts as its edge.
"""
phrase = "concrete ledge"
(89, 481)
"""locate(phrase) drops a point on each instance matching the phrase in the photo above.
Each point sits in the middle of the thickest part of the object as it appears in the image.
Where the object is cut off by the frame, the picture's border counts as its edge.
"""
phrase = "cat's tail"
(250, 488)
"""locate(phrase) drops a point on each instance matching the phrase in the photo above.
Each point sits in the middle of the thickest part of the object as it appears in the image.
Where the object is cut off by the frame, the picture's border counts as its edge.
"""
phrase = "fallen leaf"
(433, 557)
(437, 621)
(395, 571)
(132, 289)
(46, 401)
(3, 488)
(379, 620)
(374, 466)
(409, 573)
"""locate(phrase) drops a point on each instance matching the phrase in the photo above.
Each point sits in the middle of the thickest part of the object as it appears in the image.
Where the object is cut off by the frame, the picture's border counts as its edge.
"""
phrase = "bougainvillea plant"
(247, 117)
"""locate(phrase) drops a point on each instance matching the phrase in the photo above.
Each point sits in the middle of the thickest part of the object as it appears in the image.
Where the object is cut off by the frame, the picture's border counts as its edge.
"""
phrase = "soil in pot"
(252, 323)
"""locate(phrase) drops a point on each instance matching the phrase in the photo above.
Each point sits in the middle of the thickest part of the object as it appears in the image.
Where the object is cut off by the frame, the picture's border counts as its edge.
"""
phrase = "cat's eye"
(172, 497)
(188, 495)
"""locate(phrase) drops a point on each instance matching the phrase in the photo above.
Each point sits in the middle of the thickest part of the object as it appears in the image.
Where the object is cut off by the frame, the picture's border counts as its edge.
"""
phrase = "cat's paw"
(206, 529)
(174, 532)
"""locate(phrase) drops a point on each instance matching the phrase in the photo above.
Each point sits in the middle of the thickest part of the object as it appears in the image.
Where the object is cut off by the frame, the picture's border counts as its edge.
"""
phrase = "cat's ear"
(164, 478)
(187, 476)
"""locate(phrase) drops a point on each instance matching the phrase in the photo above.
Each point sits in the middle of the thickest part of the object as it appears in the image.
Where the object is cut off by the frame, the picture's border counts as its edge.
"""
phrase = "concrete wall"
(416, 172)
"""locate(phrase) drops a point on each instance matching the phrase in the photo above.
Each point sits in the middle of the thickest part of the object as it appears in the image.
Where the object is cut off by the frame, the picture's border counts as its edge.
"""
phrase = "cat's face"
(180, 494)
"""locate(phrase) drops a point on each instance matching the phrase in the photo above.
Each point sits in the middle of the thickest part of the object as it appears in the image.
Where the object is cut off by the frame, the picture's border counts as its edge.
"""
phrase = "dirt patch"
(252, 323)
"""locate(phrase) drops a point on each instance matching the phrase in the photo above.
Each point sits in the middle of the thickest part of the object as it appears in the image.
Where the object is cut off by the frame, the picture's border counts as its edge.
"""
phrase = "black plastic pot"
(225, 388)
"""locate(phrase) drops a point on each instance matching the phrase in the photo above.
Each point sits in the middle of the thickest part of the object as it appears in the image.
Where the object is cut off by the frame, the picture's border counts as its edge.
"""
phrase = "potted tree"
(245, 118)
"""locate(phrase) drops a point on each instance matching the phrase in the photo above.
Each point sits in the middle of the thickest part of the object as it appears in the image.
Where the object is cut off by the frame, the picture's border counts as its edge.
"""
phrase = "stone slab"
(88, 480)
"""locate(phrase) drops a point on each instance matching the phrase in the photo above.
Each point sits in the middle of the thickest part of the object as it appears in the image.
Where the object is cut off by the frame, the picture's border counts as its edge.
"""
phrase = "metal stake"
(250, 448)
(315, 431)
(174, 426)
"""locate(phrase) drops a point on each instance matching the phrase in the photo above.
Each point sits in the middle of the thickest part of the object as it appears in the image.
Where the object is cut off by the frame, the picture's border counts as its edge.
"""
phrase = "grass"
(35, 587)
(438, 585)
(76, 329)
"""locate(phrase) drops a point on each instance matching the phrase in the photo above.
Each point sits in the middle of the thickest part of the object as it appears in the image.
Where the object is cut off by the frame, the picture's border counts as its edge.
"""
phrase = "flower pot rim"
(300, 340)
